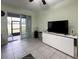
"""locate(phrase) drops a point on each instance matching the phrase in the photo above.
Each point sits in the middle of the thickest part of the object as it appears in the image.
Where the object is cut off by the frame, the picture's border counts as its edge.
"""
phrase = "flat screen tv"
(58, 26)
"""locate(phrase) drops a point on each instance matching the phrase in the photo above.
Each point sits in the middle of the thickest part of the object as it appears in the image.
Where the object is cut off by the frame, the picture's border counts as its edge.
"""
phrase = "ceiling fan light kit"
(44, 2)
(30, 0)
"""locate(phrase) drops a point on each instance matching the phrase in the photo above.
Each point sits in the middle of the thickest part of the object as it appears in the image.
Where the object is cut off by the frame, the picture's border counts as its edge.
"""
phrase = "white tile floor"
(13, 38)
(20, 48)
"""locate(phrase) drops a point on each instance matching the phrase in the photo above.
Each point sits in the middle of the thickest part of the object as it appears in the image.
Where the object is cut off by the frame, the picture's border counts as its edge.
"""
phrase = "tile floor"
(13, 38)
(20, 48)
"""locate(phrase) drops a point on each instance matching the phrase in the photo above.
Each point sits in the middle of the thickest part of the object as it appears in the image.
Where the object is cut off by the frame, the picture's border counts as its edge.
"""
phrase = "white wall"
(6, 9)
(66, 10)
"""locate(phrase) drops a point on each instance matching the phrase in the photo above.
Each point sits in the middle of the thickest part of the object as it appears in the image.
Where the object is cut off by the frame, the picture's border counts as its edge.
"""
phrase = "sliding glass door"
(23, 23)
(29, 27)
(19, 25)
(26, 31)
(15, 28)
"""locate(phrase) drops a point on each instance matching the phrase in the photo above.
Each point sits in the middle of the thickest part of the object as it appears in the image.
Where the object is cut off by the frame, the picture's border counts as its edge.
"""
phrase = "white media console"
(59, 41)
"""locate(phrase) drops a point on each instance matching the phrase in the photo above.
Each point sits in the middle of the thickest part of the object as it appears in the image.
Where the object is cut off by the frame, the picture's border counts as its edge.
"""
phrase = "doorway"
(13, 28)
(19, 27)
(23, 23)
(26, 29)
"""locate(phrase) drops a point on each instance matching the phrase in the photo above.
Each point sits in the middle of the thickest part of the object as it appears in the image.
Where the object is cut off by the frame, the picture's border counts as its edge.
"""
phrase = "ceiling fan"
(30, 0)
(43, 1)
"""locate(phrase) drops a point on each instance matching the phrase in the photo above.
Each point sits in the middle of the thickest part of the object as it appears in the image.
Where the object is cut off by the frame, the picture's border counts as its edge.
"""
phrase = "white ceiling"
(35, 5)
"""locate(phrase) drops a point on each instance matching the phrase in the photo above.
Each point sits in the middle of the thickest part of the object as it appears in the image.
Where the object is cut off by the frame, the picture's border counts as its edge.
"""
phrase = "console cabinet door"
(61, 43)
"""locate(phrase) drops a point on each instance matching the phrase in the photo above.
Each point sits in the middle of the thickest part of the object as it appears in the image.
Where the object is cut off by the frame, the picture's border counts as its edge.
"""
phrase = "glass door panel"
(16, 25)
(29, 28)
(15, 19)
(15, 28)
(23, 27)
(9, 25)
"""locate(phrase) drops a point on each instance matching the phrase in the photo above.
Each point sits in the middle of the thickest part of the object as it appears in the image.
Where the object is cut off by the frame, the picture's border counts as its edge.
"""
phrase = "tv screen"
(58, 26)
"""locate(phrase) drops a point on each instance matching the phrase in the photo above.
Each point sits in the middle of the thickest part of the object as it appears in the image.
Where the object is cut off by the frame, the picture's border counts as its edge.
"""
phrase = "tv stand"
(61, 42)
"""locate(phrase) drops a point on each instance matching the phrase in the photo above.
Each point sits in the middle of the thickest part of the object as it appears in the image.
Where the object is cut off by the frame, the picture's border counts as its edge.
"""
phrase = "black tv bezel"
(59, 21)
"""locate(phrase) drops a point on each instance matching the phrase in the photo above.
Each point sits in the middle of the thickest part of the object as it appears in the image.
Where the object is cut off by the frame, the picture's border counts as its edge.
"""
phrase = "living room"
(41, 13)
